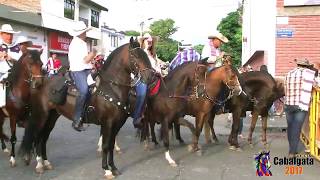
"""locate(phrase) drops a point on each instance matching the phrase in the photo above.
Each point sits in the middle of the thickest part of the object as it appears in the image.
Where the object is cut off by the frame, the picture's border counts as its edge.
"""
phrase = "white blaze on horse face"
(169, 159)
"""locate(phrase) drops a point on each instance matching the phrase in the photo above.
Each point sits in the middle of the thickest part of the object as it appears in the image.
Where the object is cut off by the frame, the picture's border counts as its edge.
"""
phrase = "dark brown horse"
(108, 105)
(188, 90)
(261, 90)
(25, 75)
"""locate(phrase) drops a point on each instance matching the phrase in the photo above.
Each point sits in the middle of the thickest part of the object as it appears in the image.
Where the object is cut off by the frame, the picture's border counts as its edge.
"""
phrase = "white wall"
(259, 27)
(53, 17)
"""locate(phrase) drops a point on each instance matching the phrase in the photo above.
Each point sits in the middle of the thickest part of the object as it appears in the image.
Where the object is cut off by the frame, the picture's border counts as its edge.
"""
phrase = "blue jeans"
(141, 90)
(295, 118)
(80, 79)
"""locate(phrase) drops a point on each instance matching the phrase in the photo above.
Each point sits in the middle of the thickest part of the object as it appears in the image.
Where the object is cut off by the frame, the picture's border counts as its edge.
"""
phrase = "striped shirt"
(298, 87)
(188, 54)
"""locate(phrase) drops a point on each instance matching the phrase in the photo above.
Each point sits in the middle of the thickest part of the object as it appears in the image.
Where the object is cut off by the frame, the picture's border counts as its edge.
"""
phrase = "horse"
(261, 90)
(107, 106)
(26, 75)
(195, 94)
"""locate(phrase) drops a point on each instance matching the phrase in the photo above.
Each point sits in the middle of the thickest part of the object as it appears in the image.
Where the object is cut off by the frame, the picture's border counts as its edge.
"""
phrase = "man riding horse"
(80, 68)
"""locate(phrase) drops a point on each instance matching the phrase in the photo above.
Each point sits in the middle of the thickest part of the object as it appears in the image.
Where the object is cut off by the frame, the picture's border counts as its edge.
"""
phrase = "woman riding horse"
(108, 105)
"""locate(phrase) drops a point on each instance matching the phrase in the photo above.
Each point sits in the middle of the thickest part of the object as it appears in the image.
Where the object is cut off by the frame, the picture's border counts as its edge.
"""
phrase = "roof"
(14, 14)
(100, 4)
(255, 56)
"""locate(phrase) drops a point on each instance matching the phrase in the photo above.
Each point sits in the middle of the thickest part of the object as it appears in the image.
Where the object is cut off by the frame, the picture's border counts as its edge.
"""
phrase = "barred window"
(94, 18)
(69, 6)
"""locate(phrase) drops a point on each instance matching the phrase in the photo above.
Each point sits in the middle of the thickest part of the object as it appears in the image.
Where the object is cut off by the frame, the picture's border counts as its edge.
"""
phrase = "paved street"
(74, 156)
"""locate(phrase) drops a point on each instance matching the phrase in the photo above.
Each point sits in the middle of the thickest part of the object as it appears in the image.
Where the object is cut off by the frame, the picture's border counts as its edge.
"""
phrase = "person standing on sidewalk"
(298, 88)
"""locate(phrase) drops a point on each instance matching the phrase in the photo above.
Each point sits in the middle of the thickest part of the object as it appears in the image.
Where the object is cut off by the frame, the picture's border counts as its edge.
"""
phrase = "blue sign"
(284, 33)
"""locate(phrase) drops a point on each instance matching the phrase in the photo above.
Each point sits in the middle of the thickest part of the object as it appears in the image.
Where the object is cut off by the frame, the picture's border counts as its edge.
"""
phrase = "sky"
(196, 19)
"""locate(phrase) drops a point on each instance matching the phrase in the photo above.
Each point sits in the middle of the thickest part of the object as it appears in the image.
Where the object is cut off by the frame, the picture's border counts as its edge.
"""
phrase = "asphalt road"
(74, 156)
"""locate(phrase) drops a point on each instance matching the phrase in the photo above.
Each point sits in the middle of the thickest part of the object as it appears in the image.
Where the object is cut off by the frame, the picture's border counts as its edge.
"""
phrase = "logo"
(262, 163)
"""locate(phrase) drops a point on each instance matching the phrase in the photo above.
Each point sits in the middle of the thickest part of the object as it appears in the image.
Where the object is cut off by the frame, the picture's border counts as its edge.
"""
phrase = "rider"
(9, 51)
(212, 50)
(24, 44)
(80, 68)
(147, 43)
(53, 65)
(184, 55)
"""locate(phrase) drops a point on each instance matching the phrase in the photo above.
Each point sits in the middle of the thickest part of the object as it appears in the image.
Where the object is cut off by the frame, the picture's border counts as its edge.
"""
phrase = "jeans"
(141, 90)
(80, 79)
(295, 118)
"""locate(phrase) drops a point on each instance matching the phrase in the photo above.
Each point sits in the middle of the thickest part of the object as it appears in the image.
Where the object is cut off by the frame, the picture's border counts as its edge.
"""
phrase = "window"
(69, 9)
(94, 18)
(114, 41)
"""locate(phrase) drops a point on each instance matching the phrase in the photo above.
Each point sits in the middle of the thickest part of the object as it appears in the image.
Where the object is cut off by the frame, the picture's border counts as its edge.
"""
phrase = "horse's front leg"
(200, 119)
(3, 137)
(210, 123)
(264, 130)
(165, 136)
(13, 141)
(177, 133)
(106, 130)
(112, 142)
(254, 119)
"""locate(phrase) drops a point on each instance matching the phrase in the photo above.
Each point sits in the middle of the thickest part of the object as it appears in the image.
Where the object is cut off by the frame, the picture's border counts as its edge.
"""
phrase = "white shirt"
(4, 67)
(77, 52)
(154, 63)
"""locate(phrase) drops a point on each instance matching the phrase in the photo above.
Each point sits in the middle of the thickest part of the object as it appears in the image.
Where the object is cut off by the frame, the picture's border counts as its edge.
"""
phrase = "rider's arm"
(90, 56)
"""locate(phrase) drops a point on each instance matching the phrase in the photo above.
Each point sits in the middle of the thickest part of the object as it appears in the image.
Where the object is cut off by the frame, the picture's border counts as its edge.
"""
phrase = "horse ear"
(131, 42)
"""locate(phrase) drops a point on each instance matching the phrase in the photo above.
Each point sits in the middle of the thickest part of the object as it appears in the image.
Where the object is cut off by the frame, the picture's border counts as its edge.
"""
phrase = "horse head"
(32, 66)
(230, 76)
(139, 62)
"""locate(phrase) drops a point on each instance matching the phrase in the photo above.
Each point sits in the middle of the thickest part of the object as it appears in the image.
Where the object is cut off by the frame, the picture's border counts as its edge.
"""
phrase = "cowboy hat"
(7, 28)
(147, 36)
(303, 62)
(219, 36)
(78, 28)
(23, 39)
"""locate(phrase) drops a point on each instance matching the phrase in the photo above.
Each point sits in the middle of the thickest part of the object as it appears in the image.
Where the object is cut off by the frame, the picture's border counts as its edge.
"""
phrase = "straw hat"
(303, 62)
(7, 28)
(147, 36)
(78, 28)
(219, 36)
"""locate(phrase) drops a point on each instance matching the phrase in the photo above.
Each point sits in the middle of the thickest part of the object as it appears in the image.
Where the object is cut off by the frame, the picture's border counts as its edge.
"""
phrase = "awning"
(14, 14)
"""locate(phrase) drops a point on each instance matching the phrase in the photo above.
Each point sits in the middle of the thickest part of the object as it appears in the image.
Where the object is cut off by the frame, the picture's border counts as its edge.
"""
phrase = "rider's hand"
(3, 55)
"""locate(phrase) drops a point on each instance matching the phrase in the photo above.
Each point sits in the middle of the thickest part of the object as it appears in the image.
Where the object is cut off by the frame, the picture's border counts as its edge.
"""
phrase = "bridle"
(31, 80)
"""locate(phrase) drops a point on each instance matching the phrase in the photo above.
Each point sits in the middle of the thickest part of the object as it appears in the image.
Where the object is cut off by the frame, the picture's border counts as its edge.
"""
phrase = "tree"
(166, 47)
(199, 48)
(132, 33)
(231, 27)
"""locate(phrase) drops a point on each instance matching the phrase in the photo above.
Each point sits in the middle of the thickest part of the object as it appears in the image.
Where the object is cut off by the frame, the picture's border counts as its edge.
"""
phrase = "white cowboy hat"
(78, 28)
(23, 39)
(219, 36)
(7, 28)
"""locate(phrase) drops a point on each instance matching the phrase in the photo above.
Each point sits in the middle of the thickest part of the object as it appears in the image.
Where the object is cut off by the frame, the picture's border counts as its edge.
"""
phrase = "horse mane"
(16, 69)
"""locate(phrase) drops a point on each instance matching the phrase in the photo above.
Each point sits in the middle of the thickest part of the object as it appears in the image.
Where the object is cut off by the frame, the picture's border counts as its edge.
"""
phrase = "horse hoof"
(190, 148)
(199, 152)
(116, 172)
(119, 152)
(39, 170)
(7, 151)
(13, 164)
(27, 161)
(173, 164)
(109, 176)
(232, 148)
(48, 167)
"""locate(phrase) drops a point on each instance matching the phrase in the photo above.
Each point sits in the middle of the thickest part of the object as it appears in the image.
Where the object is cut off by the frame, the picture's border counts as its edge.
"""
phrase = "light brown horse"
(26, 74)
(190, 89)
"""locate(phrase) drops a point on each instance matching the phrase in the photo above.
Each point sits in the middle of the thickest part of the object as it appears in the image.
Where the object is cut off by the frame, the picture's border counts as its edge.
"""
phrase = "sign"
(284, 33)
(59, 41)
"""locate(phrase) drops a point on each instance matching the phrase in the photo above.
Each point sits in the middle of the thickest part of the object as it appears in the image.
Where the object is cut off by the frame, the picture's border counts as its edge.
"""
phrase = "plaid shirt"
(188, 54)
(298, 87)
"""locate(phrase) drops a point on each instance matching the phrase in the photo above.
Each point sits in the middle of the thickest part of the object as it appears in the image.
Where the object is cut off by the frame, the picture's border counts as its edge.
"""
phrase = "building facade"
(111, 39)
(275, 32)
(47, 22)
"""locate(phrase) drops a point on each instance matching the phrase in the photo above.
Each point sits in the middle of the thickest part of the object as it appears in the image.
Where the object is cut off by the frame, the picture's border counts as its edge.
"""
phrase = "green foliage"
(198, 48)
(231, 27)
(132, 33)
(166, 47)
